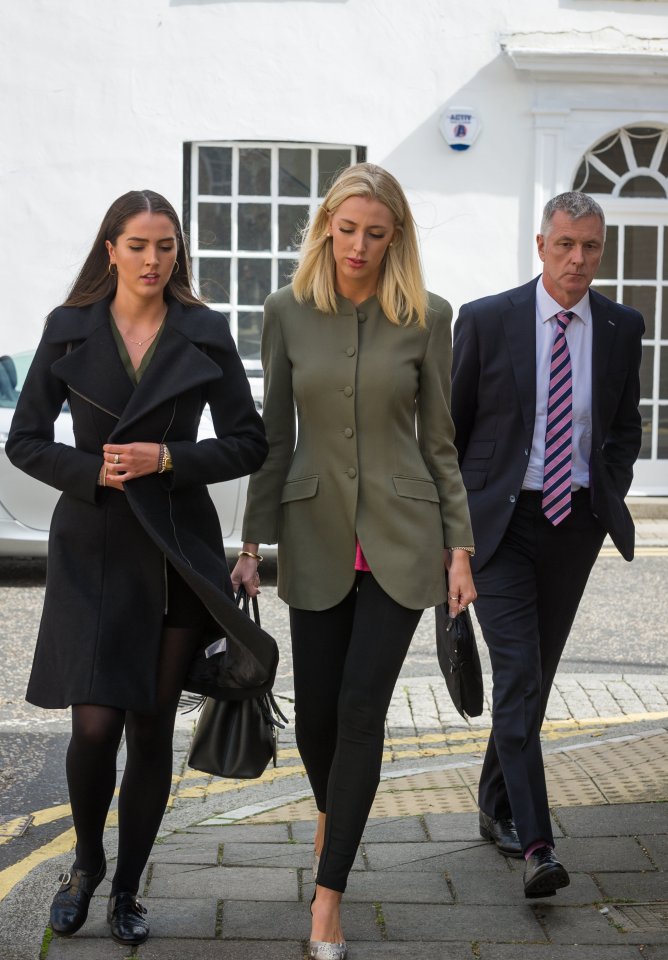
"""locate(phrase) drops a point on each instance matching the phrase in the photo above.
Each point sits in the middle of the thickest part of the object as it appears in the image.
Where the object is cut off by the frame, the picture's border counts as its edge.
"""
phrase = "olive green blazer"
(370, 453)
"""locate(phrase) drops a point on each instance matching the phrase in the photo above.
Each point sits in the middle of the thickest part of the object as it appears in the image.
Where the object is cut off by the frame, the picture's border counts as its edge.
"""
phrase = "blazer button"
(350, 351)
(352, 472)
(361, 317)
(512, 498)
(347, 391)
(348, 432)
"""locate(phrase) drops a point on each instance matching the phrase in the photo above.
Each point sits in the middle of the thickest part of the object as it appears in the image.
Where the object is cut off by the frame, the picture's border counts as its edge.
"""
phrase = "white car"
(26, 505)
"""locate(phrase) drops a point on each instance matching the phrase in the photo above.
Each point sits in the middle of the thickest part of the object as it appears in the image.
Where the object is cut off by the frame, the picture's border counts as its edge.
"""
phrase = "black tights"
(346, 662)
(91, 767)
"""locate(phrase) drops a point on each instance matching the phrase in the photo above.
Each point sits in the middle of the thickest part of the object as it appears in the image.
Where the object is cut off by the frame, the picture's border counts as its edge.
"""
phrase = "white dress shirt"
(579, 340)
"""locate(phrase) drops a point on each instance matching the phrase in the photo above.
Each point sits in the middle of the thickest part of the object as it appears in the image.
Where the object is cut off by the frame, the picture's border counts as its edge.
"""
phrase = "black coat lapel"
(176, 367)
(92, 367)
(519, 324)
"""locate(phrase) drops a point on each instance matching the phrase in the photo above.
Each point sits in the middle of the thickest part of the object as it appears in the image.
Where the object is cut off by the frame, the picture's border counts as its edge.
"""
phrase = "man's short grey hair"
(575, 205)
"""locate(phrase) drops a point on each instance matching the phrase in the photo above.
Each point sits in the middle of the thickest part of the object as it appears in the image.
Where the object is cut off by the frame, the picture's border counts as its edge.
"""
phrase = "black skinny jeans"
(346, 662)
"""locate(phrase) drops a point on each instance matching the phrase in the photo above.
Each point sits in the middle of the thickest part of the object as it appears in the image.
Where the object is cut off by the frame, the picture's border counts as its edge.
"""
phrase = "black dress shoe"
(543, 874)
(125, 914)
(69, 907)
(502, 832)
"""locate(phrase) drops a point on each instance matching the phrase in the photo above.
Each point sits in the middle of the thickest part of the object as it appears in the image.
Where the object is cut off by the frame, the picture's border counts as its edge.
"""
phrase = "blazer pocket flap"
(300, 489)
(480, 450)
(416, 489)
(474, 479)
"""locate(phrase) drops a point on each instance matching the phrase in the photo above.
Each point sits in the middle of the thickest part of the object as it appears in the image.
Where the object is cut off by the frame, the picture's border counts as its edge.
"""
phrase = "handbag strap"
(245, 603)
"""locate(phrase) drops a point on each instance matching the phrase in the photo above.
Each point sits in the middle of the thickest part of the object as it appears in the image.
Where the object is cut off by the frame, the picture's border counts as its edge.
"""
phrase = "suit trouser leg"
(528, 595)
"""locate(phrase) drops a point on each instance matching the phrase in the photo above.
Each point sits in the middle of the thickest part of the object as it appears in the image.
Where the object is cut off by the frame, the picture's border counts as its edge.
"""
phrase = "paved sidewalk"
(424, 885)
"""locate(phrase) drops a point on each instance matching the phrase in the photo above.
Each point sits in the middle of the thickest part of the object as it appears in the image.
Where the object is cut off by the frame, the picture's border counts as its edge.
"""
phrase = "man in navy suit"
(545, 402)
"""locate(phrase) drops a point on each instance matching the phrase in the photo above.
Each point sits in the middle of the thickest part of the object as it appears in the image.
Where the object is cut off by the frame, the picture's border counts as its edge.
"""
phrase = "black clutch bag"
(459, 660)
(237, 737)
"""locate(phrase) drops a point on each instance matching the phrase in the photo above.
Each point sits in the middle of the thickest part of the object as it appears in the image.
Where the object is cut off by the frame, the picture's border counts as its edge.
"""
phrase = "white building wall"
(99, 98)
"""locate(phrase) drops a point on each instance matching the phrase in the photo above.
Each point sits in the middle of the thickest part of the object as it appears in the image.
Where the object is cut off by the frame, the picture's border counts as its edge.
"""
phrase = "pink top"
(360, 560)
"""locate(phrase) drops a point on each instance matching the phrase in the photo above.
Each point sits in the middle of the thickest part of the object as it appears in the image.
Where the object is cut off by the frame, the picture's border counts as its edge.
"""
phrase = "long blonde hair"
(401, 290)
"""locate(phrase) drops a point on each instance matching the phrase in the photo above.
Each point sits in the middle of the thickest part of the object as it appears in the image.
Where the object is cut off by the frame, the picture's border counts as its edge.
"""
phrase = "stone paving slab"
(517, 951)
(579, 925)
(428, 857)
(296, 855)
(415, 950)
(239, 833)
(224, 883)
(155, 949)
(190, 850)
(456, 826)
(412, 887)
(628, 819)
(81, 948)
(281, 920)
(459, 922)
(657, 848)
(602, 854)
(169, 917)
(495, 888)
(634, 886)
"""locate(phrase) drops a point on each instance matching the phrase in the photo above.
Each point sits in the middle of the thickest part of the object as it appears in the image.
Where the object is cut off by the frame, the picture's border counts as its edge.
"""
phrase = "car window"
(11, 379)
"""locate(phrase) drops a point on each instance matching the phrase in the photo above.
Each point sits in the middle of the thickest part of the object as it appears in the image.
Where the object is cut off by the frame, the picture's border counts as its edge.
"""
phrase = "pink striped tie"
(559, 428)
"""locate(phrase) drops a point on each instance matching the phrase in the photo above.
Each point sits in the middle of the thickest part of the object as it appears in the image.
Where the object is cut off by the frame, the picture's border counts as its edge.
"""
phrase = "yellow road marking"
(639, 552)
(10, 876)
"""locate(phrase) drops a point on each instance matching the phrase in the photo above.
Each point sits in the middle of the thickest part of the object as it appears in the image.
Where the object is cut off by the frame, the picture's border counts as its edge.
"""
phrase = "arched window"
(627, 172)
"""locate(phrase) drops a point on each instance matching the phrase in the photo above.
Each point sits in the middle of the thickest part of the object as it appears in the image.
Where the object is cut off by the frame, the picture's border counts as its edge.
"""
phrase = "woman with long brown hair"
(137, 580)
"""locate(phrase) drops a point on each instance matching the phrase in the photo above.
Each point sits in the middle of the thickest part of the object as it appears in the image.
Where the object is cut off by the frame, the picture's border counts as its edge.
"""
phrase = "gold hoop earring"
(175, 269)
(113, 273)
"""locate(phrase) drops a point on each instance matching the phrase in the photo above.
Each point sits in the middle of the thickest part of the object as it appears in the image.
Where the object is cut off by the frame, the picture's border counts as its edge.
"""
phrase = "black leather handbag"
(237, 737)
(459, 660)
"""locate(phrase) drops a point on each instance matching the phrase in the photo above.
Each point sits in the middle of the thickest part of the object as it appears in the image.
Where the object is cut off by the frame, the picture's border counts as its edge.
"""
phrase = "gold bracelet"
(167, 463)
(469, 550)
(253, 556)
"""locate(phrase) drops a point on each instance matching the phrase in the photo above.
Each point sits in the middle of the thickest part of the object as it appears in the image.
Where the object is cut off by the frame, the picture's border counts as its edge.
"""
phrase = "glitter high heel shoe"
(321, 949)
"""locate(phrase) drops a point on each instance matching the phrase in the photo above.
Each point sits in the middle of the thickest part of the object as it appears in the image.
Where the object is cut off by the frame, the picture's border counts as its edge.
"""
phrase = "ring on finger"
(452, 598)
(117, 458)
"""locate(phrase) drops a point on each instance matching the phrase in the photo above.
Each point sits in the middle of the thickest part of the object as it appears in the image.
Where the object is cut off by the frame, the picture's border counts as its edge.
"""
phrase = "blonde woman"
(367, 511)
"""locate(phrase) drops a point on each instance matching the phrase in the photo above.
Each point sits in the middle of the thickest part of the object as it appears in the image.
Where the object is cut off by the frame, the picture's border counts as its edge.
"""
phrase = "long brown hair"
(401, 290)
(94, 281)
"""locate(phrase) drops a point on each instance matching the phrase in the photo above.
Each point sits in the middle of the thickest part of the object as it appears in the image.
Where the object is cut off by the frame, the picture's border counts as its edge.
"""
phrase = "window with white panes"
(246, 204)
(627, 172)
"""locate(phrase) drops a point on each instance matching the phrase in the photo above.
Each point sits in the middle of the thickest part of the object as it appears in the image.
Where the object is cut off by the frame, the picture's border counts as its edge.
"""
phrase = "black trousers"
(346, 662)
(528, 595)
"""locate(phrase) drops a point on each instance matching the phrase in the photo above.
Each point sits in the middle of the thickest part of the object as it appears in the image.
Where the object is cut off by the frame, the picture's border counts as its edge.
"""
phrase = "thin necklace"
(140, 343)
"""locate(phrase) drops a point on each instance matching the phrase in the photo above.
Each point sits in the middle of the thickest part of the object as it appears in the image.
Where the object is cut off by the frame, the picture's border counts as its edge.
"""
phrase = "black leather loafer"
(543, 874)
(125, 915)
(502, 832)
(69, 907)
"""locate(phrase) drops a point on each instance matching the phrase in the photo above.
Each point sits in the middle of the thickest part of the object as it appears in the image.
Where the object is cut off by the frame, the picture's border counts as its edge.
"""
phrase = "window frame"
(192, 199)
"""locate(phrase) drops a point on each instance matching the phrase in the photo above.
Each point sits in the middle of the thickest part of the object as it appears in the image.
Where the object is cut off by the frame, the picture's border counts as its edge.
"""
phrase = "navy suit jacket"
(494, 408)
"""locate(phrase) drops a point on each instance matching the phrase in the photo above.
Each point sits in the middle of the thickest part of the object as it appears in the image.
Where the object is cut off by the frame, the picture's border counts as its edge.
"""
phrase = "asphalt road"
(620, 628)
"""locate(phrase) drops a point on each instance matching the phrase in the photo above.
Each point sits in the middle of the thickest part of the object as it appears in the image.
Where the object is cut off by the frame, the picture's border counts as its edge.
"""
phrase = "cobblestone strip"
(423, 703)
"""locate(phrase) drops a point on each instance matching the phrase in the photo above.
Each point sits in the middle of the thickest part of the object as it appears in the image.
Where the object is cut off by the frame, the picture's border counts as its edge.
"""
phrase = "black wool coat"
(106, 594)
